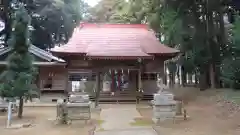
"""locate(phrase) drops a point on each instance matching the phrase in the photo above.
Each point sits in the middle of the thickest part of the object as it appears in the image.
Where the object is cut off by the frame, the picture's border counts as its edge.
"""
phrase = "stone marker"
(164, 105)
(78, 107)
(106, 86)
(9, 116)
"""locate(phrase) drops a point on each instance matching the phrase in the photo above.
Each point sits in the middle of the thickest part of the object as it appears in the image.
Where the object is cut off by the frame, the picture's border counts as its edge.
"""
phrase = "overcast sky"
(92, 2)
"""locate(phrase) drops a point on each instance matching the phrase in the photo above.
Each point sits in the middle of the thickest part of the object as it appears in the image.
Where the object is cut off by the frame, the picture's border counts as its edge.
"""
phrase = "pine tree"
(19, 74)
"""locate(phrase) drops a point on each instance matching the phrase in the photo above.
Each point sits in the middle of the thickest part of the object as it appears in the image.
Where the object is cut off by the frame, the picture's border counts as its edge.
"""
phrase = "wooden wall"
(61, 82)
(58, 75)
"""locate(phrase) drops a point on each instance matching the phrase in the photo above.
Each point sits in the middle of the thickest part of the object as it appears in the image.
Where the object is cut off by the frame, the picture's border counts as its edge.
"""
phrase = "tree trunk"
(165, 75)
(203, 81)
(207, 78)
(171, 79)
(196, 79)
(212, 76)
(217, 76)
(222, 40)
(184, 77)
(190, 79)
(20, 107)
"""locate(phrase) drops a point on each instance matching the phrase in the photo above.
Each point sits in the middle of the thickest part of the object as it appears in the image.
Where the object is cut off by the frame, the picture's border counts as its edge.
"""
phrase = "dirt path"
(208, 116)
(119, 119)
(43, 117)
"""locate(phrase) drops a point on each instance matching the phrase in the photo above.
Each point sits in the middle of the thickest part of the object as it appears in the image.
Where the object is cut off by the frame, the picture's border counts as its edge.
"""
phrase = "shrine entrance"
(113, 80)
(116, 80)
(81, 81)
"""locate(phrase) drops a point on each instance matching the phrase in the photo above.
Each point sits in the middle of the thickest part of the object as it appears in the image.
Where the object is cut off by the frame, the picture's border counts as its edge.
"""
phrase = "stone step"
(51, 97)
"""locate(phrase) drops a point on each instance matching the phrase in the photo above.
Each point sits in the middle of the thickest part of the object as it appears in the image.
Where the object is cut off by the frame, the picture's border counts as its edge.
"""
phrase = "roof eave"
(166, 55)
(44, 54)
(36, 51)
(4, 63)
(121, 57)
(68, 53)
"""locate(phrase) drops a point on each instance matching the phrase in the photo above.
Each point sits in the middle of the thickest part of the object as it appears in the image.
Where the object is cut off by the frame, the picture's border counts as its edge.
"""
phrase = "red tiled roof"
(114, 40)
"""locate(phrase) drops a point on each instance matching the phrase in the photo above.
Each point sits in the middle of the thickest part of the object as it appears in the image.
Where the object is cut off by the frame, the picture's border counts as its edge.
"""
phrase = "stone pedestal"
(77, 108)
(164, 107)
(79, 111)
(79, 98)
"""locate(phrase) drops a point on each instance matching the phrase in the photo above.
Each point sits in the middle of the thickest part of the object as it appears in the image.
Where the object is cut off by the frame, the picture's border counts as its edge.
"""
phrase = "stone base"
(176, 118)
(15, 126)
(164, 114)
(158, 121)
(181, 117)
(18, 126)
(96, 109)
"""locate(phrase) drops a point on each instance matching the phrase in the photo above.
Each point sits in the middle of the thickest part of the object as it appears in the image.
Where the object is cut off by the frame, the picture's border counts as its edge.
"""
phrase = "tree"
(231, 64)
(105, 11)
(19, 75)
(53, 20)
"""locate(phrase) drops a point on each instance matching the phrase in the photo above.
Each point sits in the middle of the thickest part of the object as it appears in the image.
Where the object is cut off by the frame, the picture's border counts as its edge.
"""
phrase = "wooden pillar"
(98, 89)
(180, 75)
(139, 86)
(139, 80)
(67, 90)
(165, 75)
(38, 81)
(119, 79)
(125, 77)
(113, 84)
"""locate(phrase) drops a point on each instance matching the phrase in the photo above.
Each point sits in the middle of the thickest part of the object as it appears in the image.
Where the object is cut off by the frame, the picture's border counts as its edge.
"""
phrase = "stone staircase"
(120, 97)
(105, 97)
(51, 97)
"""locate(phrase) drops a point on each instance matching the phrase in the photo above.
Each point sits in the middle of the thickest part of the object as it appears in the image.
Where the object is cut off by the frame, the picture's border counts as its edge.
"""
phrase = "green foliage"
(231, 64)
(106, 11)
(54, 20)
(172, 67)
(20, 72)
(171, 27)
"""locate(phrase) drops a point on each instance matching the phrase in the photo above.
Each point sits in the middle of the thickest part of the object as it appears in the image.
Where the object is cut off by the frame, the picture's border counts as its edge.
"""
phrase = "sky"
(92, 2)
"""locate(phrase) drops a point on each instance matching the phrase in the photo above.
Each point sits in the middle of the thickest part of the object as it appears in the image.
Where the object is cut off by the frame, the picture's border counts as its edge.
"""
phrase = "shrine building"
(115, 59)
